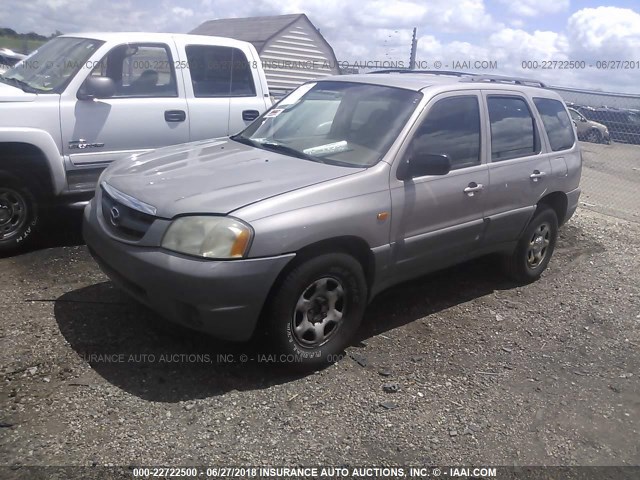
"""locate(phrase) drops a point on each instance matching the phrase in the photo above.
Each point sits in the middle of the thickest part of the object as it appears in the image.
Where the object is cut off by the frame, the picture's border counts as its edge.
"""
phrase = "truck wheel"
(317, 310)
(535, 247)
(18, 214)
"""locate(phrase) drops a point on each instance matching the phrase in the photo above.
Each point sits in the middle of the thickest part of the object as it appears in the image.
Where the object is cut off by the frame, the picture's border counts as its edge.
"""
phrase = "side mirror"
(96, 87)
(582, 119)
(421, 164)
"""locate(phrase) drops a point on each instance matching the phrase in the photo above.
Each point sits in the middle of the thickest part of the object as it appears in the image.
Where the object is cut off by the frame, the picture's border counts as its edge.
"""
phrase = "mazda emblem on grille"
(115, 216)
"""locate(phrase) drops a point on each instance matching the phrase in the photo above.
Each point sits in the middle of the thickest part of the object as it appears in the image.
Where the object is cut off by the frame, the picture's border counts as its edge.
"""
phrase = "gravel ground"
(486, 372)
(610, 179)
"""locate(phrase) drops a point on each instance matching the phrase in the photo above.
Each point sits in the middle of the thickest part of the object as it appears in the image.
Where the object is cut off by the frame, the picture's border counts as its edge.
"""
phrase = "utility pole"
(414, 46)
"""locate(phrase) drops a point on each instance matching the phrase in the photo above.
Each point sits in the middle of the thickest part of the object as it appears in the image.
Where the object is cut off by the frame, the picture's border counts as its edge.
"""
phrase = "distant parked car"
(345, 187)
(588, 130)
(623, 125)
(8, 58)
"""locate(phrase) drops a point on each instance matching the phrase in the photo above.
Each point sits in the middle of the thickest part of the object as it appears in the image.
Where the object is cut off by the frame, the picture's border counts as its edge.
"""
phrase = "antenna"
(414, 47)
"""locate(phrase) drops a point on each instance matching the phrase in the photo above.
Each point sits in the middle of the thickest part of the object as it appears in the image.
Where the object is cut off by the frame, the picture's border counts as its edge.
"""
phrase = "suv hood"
(214, 176)
(599, 126)
(9, 93)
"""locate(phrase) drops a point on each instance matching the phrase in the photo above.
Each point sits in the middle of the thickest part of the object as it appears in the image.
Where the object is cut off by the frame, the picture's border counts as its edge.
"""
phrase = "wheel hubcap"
(538, 245)
(318, 313)
(13, 212)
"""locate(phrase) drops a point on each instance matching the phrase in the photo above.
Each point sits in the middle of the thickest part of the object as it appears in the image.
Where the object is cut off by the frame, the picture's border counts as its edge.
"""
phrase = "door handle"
(536, 175)
(472, 188)
(175, 115)
(250, 115)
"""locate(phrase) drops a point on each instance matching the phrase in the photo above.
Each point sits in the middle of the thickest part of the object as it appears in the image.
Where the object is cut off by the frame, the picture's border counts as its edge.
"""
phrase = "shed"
(291, 48)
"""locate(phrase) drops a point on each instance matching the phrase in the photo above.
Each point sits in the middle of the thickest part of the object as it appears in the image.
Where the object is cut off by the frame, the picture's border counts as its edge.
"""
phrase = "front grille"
(124, 221)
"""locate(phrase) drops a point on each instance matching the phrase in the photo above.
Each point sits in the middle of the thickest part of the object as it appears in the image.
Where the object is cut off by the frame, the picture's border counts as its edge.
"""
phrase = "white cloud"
(522, 45)
(182, 12)
(535, 8)
(606, 34)
(378, 30)
(605, 31)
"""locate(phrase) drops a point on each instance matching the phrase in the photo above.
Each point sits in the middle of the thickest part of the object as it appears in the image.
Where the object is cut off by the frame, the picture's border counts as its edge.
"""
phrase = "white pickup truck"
(81, 101)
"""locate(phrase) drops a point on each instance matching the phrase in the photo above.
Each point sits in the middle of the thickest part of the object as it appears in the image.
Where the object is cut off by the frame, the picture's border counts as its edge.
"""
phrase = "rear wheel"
(18, 214)
(535, 247)
(317, 310)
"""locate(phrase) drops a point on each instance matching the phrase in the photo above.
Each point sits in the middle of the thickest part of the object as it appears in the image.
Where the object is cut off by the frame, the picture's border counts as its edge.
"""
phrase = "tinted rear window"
(219, 71)
(556, 122)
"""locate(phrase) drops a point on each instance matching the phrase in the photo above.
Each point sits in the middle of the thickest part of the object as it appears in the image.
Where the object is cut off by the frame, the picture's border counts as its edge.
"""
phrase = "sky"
(500, 33)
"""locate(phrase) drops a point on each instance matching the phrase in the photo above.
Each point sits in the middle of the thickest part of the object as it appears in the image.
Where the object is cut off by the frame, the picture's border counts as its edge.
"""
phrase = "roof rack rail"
(426, 72)
(470, 77)
(501, 79)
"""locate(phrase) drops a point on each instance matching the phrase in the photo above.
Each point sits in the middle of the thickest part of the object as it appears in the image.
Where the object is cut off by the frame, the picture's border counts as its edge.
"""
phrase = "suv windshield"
(342, 123)
(52, 66)
(634, 118)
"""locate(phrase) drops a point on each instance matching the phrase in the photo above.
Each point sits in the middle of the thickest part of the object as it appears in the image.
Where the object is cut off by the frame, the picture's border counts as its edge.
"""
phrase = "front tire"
(317, 309)
(18, 214)
(594, 136)
(535, 247)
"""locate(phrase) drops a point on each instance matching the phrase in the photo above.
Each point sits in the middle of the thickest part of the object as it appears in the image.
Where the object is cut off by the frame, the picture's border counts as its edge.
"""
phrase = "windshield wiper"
(22, 85)
(242, 139)
(276, 147)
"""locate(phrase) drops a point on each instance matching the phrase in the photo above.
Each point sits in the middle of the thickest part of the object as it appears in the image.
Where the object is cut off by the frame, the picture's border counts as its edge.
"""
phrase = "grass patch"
(19, 44)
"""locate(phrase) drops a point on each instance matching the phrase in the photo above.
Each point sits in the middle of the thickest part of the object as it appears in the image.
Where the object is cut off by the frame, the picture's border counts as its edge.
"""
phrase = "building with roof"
(291, 48)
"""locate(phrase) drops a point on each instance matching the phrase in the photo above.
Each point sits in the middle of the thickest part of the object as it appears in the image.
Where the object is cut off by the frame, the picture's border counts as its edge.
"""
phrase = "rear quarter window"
(556, 123)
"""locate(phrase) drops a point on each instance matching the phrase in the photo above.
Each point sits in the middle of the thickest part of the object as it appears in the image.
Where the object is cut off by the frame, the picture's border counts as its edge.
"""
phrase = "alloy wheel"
(538, 245)
(318, 312)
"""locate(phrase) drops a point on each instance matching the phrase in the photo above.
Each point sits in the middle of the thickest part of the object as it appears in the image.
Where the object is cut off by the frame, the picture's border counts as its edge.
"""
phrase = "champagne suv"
(347, 186)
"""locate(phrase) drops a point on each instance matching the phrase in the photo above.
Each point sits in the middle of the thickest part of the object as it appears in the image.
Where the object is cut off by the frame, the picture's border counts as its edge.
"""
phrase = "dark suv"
(623, 125)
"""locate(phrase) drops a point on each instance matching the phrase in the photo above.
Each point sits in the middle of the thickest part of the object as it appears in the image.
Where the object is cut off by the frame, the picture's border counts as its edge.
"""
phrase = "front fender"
(46, 144)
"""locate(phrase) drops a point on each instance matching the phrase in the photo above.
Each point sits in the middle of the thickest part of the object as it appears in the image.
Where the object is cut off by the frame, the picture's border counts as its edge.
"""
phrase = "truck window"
(52, 66)
(219, 72)
(556, 123)
(139, 70)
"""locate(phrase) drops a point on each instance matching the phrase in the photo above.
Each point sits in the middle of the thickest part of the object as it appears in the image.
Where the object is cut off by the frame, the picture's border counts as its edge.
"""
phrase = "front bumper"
(221, 298)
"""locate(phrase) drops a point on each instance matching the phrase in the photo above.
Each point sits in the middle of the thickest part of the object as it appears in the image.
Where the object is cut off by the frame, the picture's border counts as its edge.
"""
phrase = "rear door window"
(219, 72)
(513, 129)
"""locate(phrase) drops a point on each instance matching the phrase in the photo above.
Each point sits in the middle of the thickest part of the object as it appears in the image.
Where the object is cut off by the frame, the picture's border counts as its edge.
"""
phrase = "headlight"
(208, 236)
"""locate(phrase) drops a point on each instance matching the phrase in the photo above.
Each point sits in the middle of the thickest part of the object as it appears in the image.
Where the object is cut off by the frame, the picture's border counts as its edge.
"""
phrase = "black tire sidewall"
(349, 272)
(521, 269)
(594, 136)
(27, 231)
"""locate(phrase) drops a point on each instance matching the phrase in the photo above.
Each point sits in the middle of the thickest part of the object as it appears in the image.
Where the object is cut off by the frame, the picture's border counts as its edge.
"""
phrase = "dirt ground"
(488, 373)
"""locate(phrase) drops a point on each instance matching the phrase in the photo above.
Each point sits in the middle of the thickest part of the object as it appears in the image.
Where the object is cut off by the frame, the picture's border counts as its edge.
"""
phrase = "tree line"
(9, 32)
